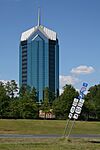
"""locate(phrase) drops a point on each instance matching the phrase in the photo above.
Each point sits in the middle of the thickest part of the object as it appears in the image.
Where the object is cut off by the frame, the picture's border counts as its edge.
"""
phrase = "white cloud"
(4, 81)
(61, 91)
(82, 70)
(68, 80)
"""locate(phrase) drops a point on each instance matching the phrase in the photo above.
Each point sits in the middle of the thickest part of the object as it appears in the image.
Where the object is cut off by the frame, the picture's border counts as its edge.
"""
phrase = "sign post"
(76, 109)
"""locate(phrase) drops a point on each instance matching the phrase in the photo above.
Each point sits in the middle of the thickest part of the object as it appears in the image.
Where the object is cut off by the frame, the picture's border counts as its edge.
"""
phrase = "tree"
(88, 111)
(22, 91)
(28, 108)
(14, 109)
(4, 101)
(33, 95)
(92, 103)
(24, 106)
(11, 88)
(62, 104)
(45, 106)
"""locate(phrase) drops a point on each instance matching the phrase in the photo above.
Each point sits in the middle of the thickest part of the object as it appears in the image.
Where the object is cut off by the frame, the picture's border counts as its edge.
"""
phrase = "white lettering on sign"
(78, 103)
(78, 110)
(70, 115)
(75, 116)
(72, 109)
(82, 101)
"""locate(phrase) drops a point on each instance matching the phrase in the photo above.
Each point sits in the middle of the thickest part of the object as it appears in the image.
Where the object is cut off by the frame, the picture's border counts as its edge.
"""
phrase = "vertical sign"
(78, 103)
(76, 108)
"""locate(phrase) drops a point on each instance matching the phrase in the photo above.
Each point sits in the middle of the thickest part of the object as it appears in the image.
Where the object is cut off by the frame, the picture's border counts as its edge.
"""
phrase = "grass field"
(48, 127)
(49, 144)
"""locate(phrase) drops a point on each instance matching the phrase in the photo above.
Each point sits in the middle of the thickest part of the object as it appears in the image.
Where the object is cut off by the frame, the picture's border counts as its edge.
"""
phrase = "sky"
(77, 23)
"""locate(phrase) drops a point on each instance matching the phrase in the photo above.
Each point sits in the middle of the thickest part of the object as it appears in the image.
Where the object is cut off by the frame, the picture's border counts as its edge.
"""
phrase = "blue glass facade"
(39, 63)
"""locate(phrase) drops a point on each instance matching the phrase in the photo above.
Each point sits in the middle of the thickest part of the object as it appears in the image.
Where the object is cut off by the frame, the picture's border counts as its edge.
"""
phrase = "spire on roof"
(39, 19)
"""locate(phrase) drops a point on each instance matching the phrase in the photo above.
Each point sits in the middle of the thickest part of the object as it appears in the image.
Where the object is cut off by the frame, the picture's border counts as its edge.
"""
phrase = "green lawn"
(49, 144)
(48, 127)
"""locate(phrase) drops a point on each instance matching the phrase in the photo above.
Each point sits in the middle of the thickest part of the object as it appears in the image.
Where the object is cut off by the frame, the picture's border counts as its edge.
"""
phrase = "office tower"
(39, 60)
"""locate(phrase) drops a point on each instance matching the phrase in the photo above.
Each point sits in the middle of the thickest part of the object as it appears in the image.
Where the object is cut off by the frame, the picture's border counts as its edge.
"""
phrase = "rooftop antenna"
(39, 17)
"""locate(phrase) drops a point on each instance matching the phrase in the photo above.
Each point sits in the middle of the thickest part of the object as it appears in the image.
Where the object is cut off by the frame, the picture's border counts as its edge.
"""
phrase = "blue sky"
(77, 23)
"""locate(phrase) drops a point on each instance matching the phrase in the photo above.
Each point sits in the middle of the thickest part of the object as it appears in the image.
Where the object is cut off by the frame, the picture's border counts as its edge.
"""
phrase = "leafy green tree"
(92, 103)
(14, 109)
(62, 104)
(28, 108)
(4, 101)
(88, 111)
(22, 91)
(11, 88)
(24, 106)
(33, 95)
(45, 106)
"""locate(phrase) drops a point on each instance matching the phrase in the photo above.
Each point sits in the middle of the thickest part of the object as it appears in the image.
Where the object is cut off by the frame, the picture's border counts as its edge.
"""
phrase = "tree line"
(22, 103)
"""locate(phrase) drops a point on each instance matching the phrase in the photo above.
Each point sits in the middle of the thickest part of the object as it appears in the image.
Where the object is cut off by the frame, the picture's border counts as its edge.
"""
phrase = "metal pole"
(71, 128)
(66, 127)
